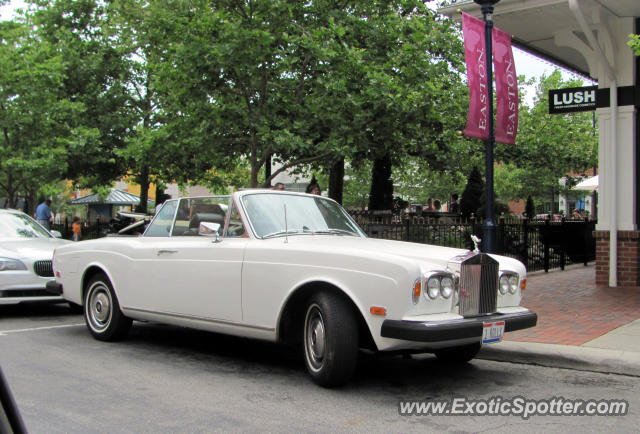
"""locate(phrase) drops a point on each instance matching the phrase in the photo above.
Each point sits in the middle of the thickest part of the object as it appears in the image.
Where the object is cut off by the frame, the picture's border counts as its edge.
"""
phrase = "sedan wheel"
(102, 311)
(330, 339)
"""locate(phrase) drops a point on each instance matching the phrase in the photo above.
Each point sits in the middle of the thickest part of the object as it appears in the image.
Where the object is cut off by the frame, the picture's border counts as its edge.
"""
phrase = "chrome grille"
(478, 294)
(43, 268)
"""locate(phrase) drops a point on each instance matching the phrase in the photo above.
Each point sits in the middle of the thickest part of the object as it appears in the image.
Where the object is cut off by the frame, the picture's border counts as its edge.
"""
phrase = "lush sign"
(573, 99)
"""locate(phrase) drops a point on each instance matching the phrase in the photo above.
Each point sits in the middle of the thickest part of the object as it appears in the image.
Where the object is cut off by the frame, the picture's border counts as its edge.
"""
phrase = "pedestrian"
(76, 227)
(436, 205)
(43, 213)
(313, 188)
(429, 206)
(278, 186)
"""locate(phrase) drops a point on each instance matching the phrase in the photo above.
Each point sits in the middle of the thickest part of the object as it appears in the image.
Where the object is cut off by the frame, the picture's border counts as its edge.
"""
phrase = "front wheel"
(102, 311)
(330, 339)
(460, 354)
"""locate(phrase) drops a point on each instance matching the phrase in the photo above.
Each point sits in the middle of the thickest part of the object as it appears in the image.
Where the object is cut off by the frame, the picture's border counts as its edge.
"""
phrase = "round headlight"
(513, 283)
(433, 287)
(504, 284)
(446, 287)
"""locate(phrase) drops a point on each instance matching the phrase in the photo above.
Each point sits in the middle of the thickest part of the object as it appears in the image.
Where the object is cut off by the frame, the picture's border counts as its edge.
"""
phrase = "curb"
(564, 356)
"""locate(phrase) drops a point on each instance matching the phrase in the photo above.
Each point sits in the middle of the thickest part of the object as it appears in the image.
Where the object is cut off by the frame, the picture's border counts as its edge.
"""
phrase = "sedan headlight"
(508, 283)
(446, 287)
(513, 284)
(8, 264)
(441, 284)
(433, 287)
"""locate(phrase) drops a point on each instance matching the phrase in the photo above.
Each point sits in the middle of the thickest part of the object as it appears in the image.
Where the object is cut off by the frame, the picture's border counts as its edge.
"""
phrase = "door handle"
(160, 252)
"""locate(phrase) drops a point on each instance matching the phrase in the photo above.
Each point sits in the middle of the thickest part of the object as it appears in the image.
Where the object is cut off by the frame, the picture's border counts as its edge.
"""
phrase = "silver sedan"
(26, 250)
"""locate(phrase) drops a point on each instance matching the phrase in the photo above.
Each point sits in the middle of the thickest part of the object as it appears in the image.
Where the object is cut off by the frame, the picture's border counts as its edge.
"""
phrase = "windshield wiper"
(286, 232)
(335, 232)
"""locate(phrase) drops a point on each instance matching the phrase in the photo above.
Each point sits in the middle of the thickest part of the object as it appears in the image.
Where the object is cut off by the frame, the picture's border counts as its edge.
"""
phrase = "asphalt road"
(171, 380)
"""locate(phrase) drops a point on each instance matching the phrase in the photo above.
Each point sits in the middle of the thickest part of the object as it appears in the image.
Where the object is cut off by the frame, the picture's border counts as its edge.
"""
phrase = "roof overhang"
(533, 23)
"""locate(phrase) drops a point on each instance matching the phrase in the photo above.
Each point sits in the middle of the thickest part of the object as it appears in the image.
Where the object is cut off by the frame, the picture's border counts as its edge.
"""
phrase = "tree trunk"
(381, 197)
(11, 193)
(143, 180)
(267, 172)
(255, 164)
(336, 180)
(32, 201)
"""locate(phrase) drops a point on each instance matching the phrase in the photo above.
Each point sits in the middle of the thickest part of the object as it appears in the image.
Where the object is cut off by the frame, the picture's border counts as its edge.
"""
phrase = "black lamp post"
(489, 225)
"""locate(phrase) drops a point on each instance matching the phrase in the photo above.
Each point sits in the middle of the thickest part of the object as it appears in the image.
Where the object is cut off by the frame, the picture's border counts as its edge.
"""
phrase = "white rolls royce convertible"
(293, 267)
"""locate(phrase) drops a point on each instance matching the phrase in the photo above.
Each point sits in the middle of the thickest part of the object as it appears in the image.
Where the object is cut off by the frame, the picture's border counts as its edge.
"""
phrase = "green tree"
(94, 75)
(634, 43)
(357, 185)
(36, 119)
(548, 147)
(309, 81)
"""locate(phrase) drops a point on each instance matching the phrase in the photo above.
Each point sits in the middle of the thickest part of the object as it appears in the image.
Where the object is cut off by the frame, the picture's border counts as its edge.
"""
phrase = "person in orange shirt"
(77, 229)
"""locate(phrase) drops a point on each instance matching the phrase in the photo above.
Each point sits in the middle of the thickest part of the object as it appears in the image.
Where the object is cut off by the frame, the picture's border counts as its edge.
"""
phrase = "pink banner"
(506, 88)
(475, 55)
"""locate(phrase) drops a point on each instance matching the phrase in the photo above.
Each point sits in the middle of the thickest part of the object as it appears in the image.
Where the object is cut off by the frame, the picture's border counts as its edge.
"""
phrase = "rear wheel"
(330, 339)
(461, 354)
(102, 311)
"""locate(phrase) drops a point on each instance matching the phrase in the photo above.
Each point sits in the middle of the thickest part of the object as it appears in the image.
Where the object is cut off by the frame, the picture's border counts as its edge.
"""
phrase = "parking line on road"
(6, 332)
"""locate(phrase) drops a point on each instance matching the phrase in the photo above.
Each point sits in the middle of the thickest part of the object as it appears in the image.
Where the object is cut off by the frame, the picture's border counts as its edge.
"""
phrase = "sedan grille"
(478, 293)
(43, 268)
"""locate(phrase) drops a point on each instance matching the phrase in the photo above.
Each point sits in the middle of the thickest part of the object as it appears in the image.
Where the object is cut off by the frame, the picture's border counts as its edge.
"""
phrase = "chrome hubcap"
(315, 340)
(99, 306)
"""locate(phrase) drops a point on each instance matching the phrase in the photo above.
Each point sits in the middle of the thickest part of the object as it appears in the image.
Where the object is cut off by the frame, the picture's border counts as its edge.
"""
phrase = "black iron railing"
(539, 244)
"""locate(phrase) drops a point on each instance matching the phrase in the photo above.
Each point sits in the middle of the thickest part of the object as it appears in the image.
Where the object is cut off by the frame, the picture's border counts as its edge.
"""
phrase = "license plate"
(492, 332)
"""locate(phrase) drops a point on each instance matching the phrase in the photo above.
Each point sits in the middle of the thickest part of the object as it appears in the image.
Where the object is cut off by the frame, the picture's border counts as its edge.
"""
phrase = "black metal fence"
(539, 244)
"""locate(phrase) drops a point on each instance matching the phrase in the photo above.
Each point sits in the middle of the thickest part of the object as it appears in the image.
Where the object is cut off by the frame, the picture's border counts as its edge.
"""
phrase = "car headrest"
(205, 217)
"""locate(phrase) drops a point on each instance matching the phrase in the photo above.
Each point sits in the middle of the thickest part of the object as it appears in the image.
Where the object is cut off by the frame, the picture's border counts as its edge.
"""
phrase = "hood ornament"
(476, 242)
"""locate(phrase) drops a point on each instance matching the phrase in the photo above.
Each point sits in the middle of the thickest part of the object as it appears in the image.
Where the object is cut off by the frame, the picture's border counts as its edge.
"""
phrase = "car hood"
(434, 256)
(427, 256)
(40, 248)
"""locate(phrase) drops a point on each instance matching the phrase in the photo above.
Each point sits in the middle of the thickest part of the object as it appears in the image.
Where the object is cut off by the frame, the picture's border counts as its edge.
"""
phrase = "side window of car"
(183, 217)
(236, 227)
(161, 224)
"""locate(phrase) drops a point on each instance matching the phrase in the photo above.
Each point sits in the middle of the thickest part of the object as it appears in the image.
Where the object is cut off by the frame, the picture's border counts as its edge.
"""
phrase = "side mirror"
(209, 229)
(56, 234)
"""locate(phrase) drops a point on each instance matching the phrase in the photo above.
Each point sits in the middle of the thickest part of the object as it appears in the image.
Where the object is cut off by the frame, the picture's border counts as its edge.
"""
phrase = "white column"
(625, 153)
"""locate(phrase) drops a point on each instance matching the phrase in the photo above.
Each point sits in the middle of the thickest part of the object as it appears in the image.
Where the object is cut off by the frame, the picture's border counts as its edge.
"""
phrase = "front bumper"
(443, 331)
(54, 287)
(14, 290)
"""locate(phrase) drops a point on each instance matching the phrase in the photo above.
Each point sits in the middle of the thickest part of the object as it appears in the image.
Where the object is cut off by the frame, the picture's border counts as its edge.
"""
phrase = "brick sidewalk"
(572, 310)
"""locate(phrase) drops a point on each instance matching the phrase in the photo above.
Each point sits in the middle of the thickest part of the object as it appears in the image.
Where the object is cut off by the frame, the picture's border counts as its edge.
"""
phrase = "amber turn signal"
(377, 310)
(417, 289)
(523, 284)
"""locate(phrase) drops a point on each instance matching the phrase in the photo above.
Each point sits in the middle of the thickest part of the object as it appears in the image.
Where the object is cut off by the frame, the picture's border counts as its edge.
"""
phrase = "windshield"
(20, 226)
(304, 215)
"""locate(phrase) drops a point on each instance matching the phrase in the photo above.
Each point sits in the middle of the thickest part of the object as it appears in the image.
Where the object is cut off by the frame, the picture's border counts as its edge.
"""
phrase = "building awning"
(588, 184)
(115, 197)
(534, 24)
